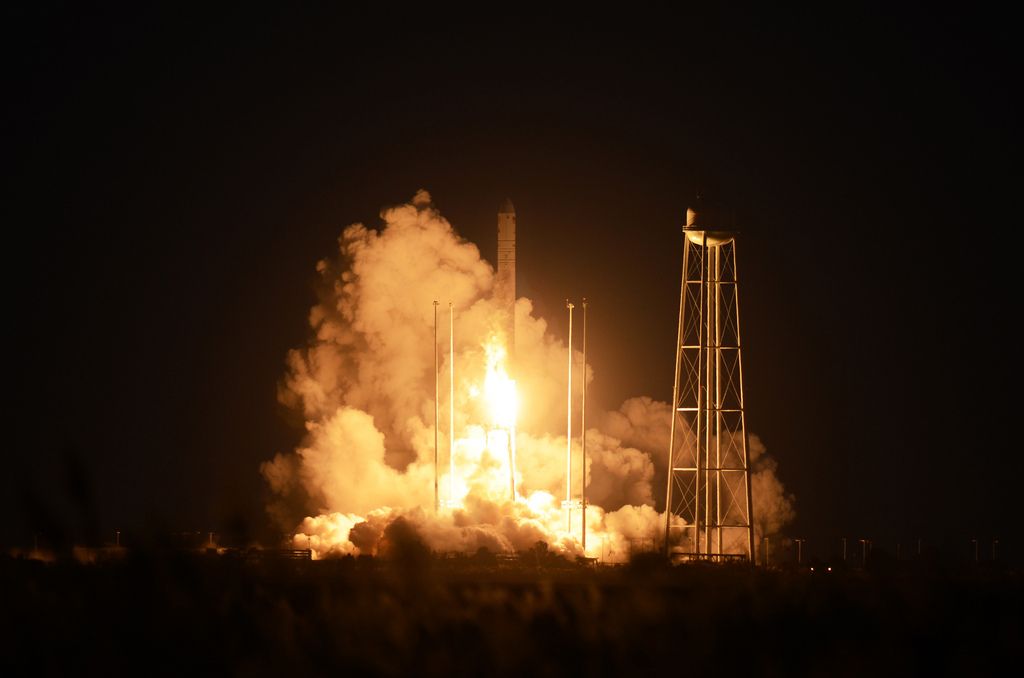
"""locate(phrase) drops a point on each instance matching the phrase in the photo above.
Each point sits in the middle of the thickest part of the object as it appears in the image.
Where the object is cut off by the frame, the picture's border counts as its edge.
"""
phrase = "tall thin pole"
(718, 398)
(512, 459)
(568, 430)
(675, 397)
(701, 400)
(437, 496)
(451, 400)
(583, 432)
(743, 406)
(708, 393)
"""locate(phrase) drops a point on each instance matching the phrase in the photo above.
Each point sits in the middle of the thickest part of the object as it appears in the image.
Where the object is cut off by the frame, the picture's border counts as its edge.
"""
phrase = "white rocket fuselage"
(505, 285)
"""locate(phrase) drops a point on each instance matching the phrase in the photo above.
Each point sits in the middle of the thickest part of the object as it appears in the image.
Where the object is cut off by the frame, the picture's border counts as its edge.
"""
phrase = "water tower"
(708, 503)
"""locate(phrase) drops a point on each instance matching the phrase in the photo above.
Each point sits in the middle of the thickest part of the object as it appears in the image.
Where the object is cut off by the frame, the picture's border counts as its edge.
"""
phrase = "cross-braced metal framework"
(708, 499)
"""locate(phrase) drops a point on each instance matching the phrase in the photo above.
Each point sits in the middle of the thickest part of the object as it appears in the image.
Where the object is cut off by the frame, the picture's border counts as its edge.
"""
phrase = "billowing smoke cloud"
(365, 386)
(773, 506)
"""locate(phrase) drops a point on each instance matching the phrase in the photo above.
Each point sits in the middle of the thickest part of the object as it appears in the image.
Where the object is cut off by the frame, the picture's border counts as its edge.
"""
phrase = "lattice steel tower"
(708, 501)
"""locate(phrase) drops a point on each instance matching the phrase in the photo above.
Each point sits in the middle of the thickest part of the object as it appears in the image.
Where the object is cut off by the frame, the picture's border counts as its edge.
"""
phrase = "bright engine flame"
(484, 456)
(499, 388)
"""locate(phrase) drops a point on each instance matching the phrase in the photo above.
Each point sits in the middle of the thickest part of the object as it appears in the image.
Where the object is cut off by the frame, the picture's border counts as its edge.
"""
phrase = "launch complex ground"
(415, 614)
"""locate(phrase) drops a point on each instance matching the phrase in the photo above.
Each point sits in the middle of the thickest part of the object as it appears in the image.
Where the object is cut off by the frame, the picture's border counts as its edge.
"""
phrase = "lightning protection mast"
(568, 503)
(437, 496)
(708, 502)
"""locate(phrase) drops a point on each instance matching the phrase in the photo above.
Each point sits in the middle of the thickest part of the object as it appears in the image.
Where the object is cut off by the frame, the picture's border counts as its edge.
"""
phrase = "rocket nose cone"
(506, 207)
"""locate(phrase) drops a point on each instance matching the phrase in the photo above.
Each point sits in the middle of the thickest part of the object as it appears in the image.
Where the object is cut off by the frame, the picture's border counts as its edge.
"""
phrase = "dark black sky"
(175, 177)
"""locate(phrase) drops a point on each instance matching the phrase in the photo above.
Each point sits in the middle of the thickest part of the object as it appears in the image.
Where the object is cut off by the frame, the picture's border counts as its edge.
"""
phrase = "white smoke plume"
(365, 386)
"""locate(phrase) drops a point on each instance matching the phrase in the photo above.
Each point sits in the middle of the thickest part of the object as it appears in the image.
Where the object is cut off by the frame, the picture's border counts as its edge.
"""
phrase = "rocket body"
(505, 285)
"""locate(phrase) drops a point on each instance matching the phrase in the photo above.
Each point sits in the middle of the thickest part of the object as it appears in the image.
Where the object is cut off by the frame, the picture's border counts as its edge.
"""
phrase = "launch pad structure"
(709, 513)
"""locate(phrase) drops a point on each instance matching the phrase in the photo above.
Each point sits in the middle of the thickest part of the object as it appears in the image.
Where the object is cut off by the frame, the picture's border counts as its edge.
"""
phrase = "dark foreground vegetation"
(190, 613)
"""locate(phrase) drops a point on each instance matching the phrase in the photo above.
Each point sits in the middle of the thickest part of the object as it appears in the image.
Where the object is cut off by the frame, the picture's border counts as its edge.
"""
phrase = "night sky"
(175, 177)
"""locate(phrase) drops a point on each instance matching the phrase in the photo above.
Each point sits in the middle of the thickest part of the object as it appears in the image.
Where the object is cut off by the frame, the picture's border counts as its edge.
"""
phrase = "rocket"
(505, 285)
(505, 295)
